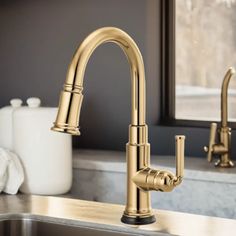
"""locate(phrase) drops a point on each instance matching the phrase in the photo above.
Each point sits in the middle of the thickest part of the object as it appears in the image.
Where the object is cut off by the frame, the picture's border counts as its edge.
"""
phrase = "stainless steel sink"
(29, 227)
(28, 215)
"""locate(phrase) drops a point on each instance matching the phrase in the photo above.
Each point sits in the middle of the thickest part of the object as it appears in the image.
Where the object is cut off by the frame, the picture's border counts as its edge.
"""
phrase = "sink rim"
(79, 223)
(22, 218)
(106, 216)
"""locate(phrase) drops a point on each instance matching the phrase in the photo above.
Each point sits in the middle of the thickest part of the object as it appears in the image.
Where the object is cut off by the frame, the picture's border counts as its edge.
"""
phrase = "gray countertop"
(107, 216)
(195, 168)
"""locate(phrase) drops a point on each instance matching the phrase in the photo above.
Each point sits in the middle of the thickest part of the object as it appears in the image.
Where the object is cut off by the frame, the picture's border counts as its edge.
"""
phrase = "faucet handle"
(209, 149)
(179, 157)
(162, 180)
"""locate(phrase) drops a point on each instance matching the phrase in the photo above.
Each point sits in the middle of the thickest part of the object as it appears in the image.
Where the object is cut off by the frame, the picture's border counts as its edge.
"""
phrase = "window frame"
(168, 93)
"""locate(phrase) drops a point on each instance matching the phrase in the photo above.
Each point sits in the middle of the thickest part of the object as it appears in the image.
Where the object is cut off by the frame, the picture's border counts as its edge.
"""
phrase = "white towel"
(11, 172)
(4, 162)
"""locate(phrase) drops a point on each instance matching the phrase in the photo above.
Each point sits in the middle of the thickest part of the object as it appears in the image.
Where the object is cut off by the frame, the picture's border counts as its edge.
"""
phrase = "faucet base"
(223, 164)
(138, 220)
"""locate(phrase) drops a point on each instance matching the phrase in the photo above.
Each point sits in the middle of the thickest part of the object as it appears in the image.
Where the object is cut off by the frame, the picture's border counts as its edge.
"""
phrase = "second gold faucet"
(223, 147)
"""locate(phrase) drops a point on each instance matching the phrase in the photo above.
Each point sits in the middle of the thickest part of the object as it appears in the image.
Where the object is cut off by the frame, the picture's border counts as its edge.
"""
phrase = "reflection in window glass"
(205, 49)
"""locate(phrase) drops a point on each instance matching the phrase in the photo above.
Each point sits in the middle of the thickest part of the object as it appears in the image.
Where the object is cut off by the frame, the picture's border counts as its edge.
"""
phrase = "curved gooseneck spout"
(140, 177)
(224, 97)
(71, 97)
(221, 148)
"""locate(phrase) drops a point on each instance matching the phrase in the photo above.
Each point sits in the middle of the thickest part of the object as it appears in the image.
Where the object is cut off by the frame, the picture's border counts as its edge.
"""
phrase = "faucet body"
(140, 177)
(223, 147)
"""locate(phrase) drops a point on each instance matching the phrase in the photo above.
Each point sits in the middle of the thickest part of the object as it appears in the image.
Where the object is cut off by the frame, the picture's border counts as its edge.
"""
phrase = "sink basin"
(29, 227)
(25, 215)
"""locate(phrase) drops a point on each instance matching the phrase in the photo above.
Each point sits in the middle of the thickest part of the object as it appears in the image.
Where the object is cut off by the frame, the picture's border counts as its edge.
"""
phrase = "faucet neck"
(78, 64)
(224, 97)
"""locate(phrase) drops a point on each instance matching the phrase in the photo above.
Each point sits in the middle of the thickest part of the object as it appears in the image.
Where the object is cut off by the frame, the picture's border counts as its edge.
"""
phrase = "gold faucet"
(140, 177)
(223, 148)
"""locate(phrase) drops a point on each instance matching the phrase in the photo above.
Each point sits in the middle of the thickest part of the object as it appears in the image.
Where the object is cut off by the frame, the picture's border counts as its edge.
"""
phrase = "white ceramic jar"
(46, 155)
(6, 131)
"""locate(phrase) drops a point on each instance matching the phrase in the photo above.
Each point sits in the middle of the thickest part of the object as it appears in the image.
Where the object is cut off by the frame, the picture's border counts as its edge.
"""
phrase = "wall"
(37, 41)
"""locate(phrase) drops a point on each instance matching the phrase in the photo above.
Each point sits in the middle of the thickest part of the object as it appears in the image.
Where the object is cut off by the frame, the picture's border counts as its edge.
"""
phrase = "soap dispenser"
(6, 123)
(46, 156)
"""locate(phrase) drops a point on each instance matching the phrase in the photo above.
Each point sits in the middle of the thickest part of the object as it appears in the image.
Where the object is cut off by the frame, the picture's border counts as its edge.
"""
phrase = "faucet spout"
(224, 97)
(71, 96)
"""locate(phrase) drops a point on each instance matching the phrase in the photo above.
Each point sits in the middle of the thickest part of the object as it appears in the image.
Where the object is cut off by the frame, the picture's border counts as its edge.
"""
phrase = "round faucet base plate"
(138, 220)
(227, 164)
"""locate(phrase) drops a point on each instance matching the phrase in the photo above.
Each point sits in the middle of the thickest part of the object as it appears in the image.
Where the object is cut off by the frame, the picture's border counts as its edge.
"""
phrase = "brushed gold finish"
(140, 177)
(179, 150)
(212, 141)
(223, 148)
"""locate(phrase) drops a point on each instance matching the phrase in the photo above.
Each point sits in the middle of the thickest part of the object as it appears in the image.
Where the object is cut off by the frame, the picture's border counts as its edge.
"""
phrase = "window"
(204, 45)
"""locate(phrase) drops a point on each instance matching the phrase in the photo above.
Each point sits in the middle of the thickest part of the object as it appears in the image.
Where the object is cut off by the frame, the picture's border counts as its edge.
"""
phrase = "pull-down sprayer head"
(71, 96)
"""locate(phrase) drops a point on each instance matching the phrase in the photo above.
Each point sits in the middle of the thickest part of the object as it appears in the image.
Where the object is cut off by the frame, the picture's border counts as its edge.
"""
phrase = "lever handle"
(162, 180)
(179, 157)
(209, 149)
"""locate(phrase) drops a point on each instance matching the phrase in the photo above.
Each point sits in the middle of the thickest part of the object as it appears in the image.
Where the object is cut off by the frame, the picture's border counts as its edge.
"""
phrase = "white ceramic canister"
(6, 123)
(46, 155)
